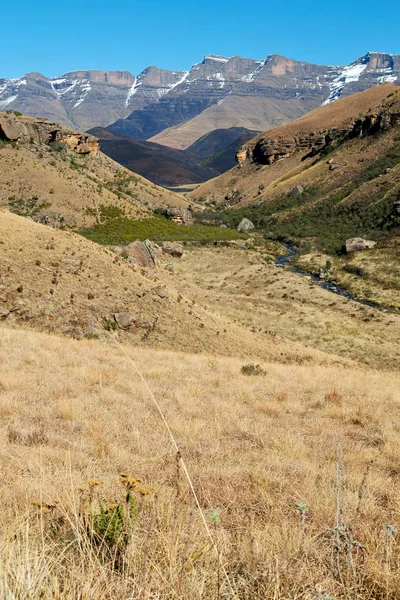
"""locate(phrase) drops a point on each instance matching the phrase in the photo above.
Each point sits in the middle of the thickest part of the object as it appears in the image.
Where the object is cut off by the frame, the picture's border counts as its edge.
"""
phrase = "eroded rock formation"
(25, 129)
(268, 150)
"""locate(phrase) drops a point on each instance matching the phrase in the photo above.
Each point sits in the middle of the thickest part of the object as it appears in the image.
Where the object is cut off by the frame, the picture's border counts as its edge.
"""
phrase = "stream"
(284, 261)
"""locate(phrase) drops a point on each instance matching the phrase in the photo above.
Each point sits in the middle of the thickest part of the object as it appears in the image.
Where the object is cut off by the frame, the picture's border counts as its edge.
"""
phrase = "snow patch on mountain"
(348, 74)
(133, 89)
(250, 77)
(387, 76)
(9, 91)
(85, 89)
(216, 58)
(180, 81)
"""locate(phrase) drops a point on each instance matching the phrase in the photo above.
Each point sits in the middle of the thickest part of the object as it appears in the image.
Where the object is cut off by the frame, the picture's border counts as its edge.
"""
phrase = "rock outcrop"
(267, 150)
(245, 226)
(25, 129)
(358, 244)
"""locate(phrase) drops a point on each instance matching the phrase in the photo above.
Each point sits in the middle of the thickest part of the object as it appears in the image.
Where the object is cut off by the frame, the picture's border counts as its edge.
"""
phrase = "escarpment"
(18, 128)
(266, 150)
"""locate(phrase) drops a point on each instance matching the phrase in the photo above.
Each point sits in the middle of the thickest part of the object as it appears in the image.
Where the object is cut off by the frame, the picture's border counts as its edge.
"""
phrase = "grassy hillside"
(122, 231)
(295, 469)
(70, 190)
(63, 283)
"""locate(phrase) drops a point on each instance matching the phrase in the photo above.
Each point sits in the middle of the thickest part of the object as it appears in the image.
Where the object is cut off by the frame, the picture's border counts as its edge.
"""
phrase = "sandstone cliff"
(25, 129)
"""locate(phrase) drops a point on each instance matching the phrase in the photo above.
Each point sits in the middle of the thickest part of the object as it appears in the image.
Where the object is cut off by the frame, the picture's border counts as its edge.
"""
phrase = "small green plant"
(57, 146)
(109, 523)
(108, 324)
(110, 212)
(252, 369)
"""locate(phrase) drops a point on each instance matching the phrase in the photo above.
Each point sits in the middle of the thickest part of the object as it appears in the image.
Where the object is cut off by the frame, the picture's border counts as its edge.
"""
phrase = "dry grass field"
(241, 286)
(296, 470)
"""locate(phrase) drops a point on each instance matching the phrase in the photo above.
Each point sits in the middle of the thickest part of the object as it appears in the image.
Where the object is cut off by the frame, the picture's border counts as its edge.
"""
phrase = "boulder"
(245, 225)
(182, 213)
(4, 312)
(358, 244)
(261, 188)
(297, 190)
(124, 319)
(161, 293)
(231, 194)
(173, 249)
(144, 253)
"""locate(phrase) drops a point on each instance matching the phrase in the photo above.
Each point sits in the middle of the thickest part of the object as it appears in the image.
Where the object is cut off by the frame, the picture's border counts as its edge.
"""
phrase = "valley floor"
(296, 470)
(246, 287)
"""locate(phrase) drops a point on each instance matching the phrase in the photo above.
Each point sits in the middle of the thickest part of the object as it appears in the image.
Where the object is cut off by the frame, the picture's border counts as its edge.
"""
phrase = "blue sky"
(57, 36)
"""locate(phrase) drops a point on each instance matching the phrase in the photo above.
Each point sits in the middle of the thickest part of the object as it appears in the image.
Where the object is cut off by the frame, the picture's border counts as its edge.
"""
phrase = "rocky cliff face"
(25, 129)
(267, 150)
(84, 99)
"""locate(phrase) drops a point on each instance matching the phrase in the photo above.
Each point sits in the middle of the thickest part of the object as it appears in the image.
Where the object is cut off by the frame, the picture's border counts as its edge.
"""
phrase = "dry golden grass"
(256, 446)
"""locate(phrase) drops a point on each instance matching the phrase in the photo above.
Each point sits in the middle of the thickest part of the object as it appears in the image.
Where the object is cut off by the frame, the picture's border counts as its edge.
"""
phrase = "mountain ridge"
(156, 100)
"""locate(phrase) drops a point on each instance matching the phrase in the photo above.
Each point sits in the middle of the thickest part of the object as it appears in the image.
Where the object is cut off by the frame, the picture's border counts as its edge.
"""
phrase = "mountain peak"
(215, 58)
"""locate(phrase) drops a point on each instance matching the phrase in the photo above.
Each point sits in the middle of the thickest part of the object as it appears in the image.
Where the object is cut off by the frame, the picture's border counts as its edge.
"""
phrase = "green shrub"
(57, 146)
(252, 369)
(121, 230)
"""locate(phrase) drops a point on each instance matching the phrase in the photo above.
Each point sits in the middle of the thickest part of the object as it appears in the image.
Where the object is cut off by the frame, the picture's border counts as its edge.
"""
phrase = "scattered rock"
(333, 166)
(4, 312)
(231, 194)
(245, 225)
(124, 319)
(357, 244)
(173, 249)
(182, 214)
(169, 268)
(297, 190)
(161, 293)
(261, 187)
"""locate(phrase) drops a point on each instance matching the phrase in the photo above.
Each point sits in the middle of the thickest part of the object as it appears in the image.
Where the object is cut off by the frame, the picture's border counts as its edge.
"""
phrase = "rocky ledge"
(268, 150)
(14, 128)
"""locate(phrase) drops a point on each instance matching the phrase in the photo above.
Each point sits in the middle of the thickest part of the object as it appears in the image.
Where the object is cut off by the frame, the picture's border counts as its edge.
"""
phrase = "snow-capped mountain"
(372, 69)
(85, 99)
(176, 108)
(222, 92)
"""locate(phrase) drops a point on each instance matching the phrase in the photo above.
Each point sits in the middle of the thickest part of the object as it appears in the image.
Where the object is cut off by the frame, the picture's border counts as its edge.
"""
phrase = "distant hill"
(208, 157)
